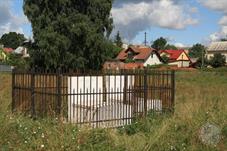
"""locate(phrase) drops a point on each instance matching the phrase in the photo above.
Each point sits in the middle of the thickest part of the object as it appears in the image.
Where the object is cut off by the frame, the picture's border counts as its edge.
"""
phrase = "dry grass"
(201, 98)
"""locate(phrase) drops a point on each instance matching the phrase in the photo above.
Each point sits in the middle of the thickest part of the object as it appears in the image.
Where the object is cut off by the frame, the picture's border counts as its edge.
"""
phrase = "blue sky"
(183, 22)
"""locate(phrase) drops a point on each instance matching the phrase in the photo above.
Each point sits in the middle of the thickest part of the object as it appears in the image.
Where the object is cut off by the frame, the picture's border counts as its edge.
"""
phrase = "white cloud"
(223, 21)
(180, 45)
(218, 5)
(10, 21)
(132, 18)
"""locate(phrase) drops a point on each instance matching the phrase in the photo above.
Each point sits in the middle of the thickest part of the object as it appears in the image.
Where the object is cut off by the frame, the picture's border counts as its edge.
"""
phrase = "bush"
(218, 60)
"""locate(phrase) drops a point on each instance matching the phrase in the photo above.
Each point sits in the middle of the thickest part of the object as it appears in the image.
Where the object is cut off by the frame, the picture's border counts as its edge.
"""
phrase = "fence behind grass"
(100, 99)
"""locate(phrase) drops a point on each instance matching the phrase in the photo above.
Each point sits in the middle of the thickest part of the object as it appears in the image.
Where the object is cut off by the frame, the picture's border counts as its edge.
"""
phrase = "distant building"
(22, 51)
(8, 50)
(125, 46)
(140, 54)
(2, 55)
(135, 57)
(178, 58)
(217, 47)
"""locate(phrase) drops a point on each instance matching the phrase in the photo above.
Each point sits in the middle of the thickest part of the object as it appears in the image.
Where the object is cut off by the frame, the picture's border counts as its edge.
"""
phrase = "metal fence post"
(125, 88)
(172, 90)
(33, 92)
(59, 91)
(145, 92)
(13, 90)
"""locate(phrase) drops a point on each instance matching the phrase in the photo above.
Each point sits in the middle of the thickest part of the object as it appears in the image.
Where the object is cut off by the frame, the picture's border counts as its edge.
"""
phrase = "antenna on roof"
(145, 41)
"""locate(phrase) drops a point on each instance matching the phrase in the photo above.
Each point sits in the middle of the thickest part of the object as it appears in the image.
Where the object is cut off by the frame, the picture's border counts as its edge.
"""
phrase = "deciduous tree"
(197, 51)
(12, 39)
(159, 44)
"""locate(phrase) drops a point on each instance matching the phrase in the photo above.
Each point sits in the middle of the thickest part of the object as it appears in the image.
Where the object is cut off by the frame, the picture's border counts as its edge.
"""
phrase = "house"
(140, 55)
(8, 50)
(2, 55)
(217, 47)
(178, 58)
(22, 51)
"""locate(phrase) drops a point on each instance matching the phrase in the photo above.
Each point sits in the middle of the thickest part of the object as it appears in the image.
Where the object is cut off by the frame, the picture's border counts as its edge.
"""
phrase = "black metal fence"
(99, 99)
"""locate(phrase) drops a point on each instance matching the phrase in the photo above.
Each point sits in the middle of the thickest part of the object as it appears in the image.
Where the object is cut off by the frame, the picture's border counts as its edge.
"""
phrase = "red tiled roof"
(133, 65)
(7, 50)
(141, 53)
(174, 54)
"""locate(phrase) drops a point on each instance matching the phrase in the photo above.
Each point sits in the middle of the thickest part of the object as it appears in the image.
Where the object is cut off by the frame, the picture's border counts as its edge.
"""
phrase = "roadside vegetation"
(200, 99)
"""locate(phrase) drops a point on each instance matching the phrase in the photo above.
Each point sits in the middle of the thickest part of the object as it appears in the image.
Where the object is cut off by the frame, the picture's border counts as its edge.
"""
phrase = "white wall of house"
(210, 55)
(181, 64)
(152, 60)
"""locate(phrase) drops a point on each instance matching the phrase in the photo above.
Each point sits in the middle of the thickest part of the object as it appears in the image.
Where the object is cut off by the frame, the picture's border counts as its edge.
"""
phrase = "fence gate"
(99, 99)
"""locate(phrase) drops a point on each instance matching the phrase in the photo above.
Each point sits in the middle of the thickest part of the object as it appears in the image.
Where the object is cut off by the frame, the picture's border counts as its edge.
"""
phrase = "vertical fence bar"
(59, 92)
(33, 92)
(172, 90)
(13, 90)
(125, 88)
(145, 92)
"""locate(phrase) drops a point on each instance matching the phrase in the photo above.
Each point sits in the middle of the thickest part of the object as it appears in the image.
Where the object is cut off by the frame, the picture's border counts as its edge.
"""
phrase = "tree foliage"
(118, 40)
(159, 44)
(12, 39)
(70, 33)
(162, 44)
(218, 60)
(197, 51)
(17, 61)
(171, 47)
(165, 59)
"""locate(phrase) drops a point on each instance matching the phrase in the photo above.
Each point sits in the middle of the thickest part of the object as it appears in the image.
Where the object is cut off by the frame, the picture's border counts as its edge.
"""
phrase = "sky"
(182, 22)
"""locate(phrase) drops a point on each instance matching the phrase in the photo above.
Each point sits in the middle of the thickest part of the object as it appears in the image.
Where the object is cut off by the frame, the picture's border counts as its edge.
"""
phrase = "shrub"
(218, 60)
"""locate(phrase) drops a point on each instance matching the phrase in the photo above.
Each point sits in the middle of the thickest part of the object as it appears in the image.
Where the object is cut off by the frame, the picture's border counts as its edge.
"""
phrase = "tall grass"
(201, 98)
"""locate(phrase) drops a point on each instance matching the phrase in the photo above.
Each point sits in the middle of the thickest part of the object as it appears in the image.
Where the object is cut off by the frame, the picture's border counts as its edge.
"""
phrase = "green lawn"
(201, 98)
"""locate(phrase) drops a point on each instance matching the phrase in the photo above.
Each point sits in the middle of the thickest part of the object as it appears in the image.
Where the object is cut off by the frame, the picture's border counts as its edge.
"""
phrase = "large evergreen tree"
(12, 39)
(70, 33)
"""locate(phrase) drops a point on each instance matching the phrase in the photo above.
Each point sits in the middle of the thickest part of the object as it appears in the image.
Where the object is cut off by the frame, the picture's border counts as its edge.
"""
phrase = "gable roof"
(8, 50)
(218, 46)
(174, 54)
(141, 52)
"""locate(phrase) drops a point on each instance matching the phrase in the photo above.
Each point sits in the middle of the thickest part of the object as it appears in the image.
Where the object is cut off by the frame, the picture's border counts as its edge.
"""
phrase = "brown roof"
(141, 52)
(218, 46)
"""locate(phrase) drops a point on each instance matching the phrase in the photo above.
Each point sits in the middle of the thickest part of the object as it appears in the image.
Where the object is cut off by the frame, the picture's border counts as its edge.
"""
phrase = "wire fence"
(108, 98)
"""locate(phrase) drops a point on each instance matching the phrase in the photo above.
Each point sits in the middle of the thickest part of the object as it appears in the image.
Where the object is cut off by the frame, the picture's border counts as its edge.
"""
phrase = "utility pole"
(145, 42)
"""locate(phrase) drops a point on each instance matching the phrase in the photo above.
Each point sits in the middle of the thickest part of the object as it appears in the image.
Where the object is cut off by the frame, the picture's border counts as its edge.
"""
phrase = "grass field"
(201, 98)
